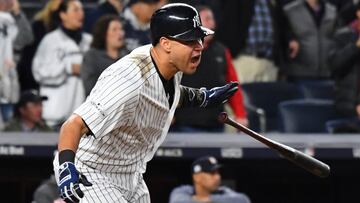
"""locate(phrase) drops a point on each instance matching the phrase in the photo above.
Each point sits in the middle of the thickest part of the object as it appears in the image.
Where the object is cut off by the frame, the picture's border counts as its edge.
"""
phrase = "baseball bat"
(307, 162)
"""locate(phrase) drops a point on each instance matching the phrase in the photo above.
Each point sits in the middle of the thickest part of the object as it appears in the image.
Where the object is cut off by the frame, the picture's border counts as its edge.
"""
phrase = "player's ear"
(165, 43)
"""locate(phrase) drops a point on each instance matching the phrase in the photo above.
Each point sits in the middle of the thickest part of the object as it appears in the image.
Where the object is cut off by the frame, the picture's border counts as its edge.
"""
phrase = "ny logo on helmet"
(196, 21)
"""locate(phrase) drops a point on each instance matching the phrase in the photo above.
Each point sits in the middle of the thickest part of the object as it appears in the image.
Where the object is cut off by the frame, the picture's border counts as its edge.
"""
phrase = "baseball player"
(105, 145)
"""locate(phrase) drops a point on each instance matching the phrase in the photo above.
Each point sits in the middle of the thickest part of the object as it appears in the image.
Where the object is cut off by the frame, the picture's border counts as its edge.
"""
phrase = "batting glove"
(218, 95)
(69, 182)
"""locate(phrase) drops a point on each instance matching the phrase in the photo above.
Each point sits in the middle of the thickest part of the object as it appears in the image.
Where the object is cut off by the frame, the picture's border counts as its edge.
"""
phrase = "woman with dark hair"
(57, 63)
(108, 46)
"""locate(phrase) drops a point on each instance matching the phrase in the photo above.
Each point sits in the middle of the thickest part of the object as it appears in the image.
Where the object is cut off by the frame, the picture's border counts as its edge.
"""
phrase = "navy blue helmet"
(179, 21)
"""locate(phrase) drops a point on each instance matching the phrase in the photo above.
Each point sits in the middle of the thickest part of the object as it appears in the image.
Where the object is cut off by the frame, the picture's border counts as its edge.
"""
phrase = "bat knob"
(223, 116)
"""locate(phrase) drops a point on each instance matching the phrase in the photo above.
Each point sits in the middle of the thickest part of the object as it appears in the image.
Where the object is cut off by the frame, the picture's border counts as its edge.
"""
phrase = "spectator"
(48, 17)
(214, 5)
(344, 61)
(46, 20)
(28, 114)
(251, 30)
(137, 17)
(57, 63)
(25, 35)
(47, 192)
(105, 7)
(108, 45)
(206, 185)
(312, 23)
(215, 69)
(9, 84)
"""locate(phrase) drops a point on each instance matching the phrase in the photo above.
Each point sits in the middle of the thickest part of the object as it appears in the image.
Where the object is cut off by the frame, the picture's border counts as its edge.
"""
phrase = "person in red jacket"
(215, 69)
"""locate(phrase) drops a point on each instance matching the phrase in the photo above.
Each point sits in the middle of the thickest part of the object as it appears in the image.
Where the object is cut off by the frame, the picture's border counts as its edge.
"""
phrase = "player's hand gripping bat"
(309, 163)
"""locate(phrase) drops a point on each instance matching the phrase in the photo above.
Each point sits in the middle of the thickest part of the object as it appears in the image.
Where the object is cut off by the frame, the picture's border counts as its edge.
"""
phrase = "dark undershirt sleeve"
(190, 97)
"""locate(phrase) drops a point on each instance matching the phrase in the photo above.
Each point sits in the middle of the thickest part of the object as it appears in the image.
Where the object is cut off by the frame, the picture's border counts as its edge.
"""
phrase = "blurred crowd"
(49, 63)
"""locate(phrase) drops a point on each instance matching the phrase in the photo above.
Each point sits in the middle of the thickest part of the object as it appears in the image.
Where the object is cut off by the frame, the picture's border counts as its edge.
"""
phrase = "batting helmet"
(179, 21)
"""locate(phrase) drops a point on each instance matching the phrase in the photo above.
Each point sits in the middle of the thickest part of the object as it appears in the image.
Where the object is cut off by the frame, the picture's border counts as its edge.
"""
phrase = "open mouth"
(195, 58)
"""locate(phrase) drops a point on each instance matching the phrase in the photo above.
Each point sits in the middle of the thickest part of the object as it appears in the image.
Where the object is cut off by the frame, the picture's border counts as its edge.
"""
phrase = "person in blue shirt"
(206, 185)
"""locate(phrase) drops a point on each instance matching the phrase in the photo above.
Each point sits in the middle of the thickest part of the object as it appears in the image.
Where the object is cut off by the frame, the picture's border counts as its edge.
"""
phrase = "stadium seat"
(306, 116)
(261, 101)
(343, 125)
(323, 89)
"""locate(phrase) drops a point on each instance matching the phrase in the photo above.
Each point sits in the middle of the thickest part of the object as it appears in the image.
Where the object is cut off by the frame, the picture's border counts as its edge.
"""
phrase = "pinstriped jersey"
(128, 113)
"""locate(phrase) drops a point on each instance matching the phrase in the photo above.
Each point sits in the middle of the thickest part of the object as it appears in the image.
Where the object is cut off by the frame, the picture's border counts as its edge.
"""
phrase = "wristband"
(66, 155)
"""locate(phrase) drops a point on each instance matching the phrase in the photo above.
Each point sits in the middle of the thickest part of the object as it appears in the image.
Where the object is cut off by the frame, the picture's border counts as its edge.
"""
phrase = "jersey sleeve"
(110, 104)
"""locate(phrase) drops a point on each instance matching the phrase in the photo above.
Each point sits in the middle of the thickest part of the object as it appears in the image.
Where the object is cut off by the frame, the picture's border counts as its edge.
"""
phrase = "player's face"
(115, 35)
(209, 181)
(74, 16)
(186, 56)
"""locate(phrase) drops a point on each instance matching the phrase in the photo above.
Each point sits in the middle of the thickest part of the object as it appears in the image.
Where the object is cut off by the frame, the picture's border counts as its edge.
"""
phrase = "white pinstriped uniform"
(129, 115)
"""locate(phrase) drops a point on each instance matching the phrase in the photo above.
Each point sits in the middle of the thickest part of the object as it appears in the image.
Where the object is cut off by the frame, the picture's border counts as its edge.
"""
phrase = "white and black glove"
(218, 95)
(69, 181)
